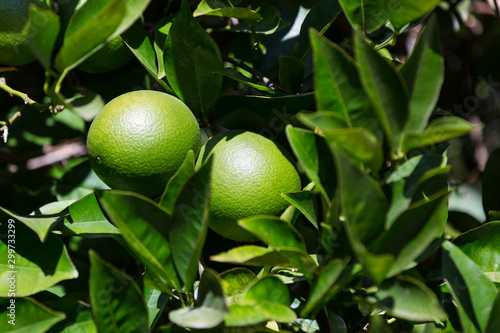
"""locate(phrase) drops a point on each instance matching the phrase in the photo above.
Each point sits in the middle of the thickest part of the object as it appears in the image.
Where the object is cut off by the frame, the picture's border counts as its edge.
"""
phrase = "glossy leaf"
(321, 120)
(408, 298)
(315, 158)
(243, 315)
(43, 37)
(208, 7)
(481, 246)
(115, 309)
(177, 182)
(210, 310)
(141, 45)
(437, 131)
(28, 316)
(191, 60)
(423, 73)
(291, 73)
(413, 232)
(489, 180)
(237, 76)
(276, 311)
(87, 219)
(189, 224)
(407, 11)
(144, 226)
(338, 86)
(251, 255)
(266, 115)
(33, 273)
(156, 301)
(306, 203)
(269, 288)
(385, 87)
(364, 210)
(470, 288)
(366, 15)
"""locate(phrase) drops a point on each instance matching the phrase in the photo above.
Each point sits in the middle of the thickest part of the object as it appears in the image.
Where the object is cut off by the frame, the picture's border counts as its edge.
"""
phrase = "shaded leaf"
(28, 316)
(271, 22)
(235, 75)
(407, 11)
(78, 317)
(366, 15)
(306, 203)
(155, 303)
(291, 73)
(214, 8)
(43, 39)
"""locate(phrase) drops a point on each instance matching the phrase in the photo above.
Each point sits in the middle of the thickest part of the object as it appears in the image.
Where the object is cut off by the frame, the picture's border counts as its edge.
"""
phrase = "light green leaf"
(243, 315)
(155, 303)
(208, 7)
(115, 309)
(366, 15)
(234, 282)
(269, 288)
(251, 255)
(406, 11)
(29, 316)
(306, 203)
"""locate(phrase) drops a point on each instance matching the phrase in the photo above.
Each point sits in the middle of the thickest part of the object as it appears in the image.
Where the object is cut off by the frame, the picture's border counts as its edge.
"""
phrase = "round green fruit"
(139, 140)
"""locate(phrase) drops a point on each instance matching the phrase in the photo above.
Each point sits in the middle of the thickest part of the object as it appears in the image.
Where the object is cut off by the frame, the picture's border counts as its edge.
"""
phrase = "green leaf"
(276, 311)
(321, 120)
(323, 285)
(37, 265)
(87, 219)
(269, 288)
(117, 302)
(338, 86)
(291, 73)
(41, 224)
(489, 183)
(177, 182)
(438, 130)
(237, 76)
(386, 89)
(306, 203)
(365, 15)
(266, 115)
(144, 226)
(470, 288)
(43, 38)
(315, 158)
(78, 317)
(189, 224)
(140, 42)
(92, 25)
(234, 282)
(271, 22)
(210, 310)
(407, 11)
(243, 315)
(423, 73)
(155, 303)
(210, 7)
(191, 60)
(251, 255)
(408, 298)
(413, 232)
(27, 315)
(481, 246)
(364, 210)
(494, 320)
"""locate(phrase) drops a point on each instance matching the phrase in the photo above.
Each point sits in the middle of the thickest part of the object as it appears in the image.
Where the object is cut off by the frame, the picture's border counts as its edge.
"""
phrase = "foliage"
(364, 95)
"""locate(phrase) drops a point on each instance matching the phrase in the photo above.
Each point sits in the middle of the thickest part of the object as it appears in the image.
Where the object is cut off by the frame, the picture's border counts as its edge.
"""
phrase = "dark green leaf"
(291, 73)
(407, 11)
(117, 302)
(191, 60)
(470, 288)
(366, 15)
(176, 183)
(481, 246)
(322, 120)
(155, 303)
(141, 44)
(235, 75)
(437, 131)
(386, 89)
(494, 321)
(408, 298)
(271, 22)
(424, 75)
(28, 316)
(78, 317)
(144, 226)
(306, 203)
(43, 37)
(315, 158)
(189, 224)
(87, 219)
(489, 183)
(33, 272)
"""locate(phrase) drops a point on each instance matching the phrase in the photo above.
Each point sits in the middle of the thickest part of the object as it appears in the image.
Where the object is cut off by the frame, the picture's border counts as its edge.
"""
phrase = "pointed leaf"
(144, 227)
(189, 224)
(271, 22)
(191, 60)
(155, 304)
(470, 287)
(28, 316)
(386, 89)
(117, 302)
(207, 7)
(237, 76)
(251, 255)
(177, 182)
(306, 203)
(424, 75)
(20, 257)
(408, 298)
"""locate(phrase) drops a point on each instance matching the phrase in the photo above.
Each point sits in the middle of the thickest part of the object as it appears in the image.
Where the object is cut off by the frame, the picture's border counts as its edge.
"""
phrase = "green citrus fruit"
(14, 17)
(112, 56)
(139, 139)
(249, 173)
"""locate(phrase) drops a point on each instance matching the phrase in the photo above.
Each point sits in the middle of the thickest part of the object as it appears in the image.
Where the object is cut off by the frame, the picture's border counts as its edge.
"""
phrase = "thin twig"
(267, 82)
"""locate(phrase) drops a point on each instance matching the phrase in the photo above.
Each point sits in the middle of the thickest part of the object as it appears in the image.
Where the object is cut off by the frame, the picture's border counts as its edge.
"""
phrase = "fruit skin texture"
(139, 139)
(14, 16)
(112, 56)
(249, 173)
